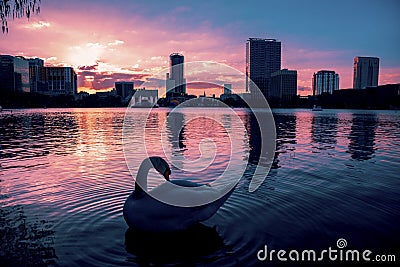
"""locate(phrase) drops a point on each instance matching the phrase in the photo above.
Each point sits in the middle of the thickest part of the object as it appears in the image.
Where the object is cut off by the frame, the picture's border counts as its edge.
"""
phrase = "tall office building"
(366, 72)
(61, 81)
(325, 82)
(263, 57)
(19, 74)
(124, 89)
(175, 81)
(14, 74)
(283, 85)
(37, 75)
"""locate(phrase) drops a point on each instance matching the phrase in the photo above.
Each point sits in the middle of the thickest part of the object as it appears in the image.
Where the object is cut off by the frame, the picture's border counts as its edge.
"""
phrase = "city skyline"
(132, 41)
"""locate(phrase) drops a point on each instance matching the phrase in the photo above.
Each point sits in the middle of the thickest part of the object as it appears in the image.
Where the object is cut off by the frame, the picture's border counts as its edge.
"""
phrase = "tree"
(17, 9)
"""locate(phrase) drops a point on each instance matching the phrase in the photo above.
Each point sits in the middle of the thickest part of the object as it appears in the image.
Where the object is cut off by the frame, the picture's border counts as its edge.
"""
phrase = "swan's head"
(161, 166)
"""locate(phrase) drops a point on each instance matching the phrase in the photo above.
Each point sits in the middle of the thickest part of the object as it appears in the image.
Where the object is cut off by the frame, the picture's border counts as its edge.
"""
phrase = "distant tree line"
(35, 100)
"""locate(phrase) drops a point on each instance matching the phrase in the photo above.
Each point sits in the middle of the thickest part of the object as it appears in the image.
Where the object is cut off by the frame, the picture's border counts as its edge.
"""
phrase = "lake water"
(64, 180)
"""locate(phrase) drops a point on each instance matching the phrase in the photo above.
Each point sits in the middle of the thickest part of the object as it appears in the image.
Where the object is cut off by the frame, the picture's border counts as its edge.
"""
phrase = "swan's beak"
(166, 174)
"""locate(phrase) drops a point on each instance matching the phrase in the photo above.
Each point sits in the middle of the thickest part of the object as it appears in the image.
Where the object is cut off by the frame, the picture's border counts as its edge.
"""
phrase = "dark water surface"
(63, 182)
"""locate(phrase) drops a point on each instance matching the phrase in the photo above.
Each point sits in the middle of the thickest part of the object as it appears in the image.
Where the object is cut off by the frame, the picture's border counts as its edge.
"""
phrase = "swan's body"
(144, 212)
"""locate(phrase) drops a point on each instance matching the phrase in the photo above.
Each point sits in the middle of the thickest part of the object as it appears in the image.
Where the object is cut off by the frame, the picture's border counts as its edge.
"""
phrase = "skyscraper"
(325, 82)
(175, 81)
(61, 81)
(37, 75)
(14, 74)
(284, 85)
(366, 72)
(263, 57)
(124, 89)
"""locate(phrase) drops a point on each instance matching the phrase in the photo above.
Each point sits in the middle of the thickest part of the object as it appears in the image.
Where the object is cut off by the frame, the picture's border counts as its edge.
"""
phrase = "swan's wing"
(185, 196)
(149, 214)
(185, 183)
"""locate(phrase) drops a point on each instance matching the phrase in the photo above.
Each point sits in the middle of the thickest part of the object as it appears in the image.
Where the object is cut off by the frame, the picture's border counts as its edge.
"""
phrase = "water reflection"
(33, 134)
(176, 128)
(67, 168)
(324, 131)
(285, 125)
(25, 241)
(253, 131)
(362, 136)
(200, 145)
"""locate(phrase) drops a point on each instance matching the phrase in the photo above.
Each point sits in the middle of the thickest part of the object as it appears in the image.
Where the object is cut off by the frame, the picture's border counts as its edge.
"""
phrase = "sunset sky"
(109, 41)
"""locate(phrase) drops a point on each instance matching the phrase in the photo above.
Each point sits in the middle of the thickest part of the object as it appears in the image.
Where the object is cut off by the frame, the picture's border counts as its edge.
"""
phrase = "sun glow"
(86, 55)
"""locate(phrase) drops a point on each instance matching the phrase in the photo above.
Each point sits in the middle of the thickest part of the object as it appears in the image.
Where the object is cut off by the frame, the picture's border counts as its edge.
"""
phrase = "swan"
(145, 213)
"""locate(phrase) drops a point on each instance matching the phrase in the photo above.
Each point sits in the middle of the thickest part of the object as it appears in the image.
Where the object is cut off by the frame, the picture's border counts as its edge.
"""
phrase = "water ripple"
(335, 176)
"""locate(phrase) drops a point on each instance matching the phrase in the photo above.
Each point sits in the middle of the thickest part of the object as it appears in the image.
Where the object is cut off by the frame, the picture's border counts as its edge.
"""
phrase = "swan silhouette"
(145, 213)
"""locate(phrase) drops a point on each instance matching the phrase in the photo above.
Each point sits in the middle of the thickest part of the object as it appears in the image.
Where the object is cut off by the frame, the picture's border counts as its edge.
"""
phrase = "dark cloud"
(105, 80)
(91, 67)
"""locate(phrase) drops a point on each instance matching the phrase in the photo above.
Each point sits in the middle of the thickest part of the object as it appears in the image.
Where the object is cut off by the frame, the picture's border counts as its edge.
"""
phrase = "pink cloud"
(104, 50)
(389, 75)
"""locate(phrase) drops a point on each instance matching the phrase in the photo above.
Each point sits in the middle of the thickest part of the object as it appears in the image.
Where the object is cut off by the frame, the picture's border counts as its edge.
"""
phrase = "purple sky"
(107, 41)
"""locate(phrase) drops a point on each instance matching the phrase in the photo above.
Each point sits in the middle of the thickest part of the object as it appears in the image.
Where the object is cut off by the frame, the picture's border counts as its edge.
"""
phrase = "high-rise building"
(325, 82)
(366, 72)
(124, 89)
(19, 74)
(283, 85)
(61, 80)
(37, 75)
(263, 57)
(175, 81)
(14, 74)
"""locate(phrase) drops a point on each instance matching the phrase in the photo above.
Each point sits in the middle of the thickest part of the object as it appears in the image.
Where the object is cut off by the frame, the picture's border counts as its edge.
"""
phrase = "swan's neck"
(141, 178)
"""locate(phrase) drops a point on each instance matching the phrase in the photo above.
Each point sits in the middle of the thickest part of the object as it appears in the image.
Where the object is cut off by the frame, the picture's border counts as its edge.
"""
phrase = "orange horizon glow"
(135, 49)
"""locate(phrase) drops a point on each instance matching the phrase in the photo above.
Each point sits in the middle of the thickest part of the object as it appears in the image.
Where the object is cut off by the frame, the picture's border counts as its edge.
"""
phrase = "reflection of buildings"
(285, 125)
(284, 85)
(253, 131)
(176, 127)
(366, 72)
(175, 81)
(14, 74)
(362, 136)
(324, 129)
(325, 82)
(263, 57)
